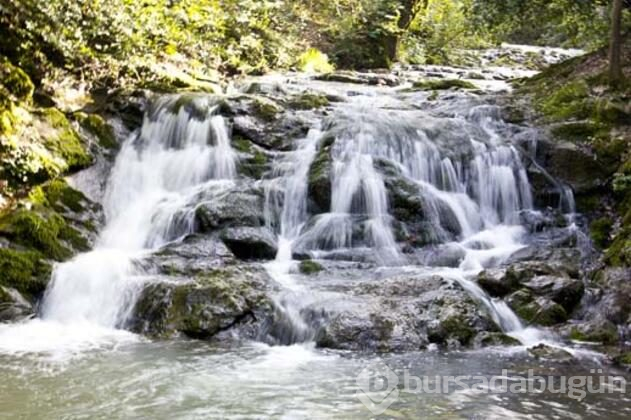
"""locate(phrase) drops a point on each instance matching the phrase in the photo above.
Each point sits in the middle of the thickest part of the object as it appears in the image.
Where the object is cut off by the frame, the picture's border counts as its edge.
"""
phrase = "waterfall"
(181, 147)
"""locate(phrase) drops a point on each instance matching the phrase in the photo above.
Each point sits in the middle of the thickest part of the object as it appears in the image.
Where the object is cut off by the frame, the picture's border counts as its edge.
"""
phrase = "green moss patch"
(443, 84)
(308, 101)
(25, 271)
(310, 267)
(101, 129)
(64, 141)
(15, 81)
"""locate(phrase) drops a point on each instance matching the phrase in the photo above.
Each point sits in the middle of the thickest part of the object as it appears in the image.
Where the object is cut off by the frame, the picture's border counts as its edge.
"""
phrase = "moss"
(624, 358)
(241, 144)
(34, 231)
(603, 335)
(57, 194)
(308, 101)
(458, 328)
(442, 84)
(16, 81)
(600, 230)
(64, 142)
(310, 267)
(319, 179)
(25, 271)
(533, 311)
(498, 339)
(570, 101)
(576, 131)
(619, 253)
(101, 129)
(265, 110)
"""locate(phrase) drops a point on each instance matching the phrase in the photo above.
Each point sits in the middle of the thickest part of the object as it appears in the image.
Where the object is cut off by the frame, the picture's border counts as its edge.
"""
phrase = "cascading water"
(484, 188)
(181, 147)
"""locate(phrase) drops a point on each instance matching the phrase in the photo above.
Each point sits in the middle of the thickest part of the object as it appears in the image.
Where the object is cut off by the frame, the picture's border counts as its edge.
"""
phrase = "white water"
(156, 174)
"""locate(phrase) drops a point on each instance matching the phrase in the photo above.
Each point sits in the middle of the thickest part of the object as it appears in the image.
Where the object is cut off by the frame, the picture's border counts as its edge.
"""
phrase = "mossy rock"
(487, 339)
(454, 327)
(58, 195)
(600, 231)
(96, 125)
(604, 334)
(16, 81)
(308, 101)
(310, 267)
(319, 178)
(576, 131)
(26, 271)
(540, 311)
(64, 142)
(34, 231)
(570, 101)
(623, 359)
(266, 110)
(443, 84)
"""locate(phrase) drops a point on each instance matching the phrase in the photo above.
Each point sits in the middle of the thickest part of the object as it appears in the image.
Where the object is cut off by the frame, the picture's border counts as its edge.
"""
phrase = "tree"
(408, 10)
(615, 44)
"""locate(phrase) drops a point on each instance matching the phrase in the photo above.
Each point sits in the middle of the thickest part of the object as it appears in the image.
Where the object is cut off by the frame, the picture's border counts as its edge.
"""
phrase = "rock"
(598, 331)
(488, 339)
(571, 165)
(13, 306)
(231, 298)
(496, 283)
(320, 173)
(536, 309)
(607, 303)
(310, 267)
(195, 254)
(562, 290)
(262, 121)
(543, 351)
(238, 206)
(360, 78)
(405, 313)
(250, 243)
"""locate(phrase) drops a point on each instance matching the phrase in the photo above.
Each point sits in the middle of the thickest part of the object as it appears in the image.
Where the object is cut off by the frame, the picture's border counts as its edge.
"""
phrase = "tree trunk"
(615, 44)
(408, 11)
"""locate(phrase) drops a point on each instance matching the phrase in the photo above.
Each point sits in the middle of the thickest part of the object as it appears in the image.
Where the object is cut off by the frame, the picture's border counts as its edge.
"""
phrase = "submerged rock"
(543, 351)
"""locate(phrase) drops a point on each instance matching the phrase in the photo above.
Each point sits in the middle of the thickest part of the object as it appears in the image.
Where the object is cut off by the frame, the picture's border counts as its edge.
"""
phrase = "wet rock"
(571, 165)
(406, 313)
(493, 339)
(536, 309)
(496, 283)
(231, 298)
(360, 78)
(310, 267)
(250, 243)
(238, 206)
(263, 122)
(545, 352)
(562, 290)
(195, 254)
(607, 303)
(598, 331)
(319, 179)
(13, 306)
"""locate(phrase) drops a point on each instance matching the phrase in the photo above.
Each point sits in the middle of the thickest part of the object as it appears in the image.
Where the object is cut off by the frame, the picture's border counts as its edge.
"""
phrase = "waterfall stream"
(470, 182)
(159, 170)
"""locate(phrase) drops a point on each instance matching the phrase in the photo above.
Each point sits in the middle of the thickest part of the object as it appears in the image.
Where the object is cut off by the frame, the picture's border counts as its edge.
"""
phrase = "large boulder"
(230, 298)
(236, 206)
(572, 165)
(13, 306)
(406, 313)
(250, 243)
